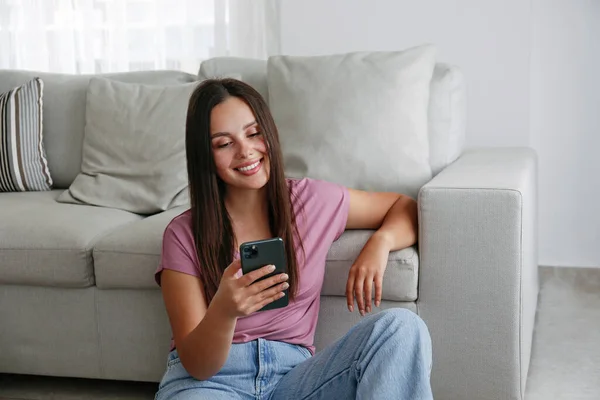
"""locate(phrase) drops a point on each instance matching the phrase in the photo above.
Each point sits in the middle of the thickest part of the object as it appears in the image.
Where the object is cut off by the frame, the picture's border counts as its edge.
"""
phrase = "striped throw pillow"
(23, 164)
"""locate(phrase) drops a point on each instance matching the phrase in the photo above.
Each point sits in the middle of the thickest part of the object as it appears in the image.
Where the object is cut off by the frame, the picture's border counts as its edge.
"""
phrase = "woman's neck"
(249, 214)
(243, 204)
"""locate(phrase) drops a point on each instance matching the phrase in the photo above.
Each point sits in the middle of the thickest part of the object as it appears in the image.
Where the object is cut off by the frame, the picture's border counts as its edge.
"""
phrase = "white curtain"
(99, 36)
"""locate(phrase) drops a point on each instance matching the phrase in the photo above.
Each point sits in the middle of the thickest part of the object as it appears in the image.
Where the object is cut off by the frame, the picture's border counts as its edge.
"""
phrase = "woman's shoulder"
(295, 183)
(180, 224)
(324, 205)
(309, 187)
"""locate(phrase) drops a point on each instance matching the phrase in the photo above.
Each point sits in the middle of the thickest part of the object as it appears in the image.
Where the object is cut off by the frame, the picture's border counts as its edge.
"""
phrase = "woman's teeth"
(249, 167)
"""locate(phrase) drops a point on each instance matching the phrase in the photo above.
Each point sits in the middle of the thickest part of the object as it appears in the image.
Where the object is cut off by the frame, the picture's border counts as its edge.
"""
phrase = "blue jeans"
(385, 356)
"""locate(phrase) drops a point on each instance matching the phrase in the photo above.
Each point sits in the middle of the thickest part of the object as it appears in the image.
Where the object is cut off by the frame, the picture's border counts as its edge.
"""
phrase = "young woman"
(222, 347)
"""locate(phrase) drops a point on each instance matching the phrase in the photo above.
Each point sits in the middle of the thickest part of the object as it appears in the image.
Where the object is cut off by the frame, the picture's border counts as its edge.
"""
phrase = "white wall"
(503, 48)
(467, 34)
(565, 128)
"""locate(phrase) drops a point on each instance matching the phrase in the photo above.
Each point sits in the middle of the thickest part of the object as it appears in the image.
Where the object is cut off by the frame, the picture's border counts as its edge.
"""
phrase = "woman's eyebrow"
(219, 134)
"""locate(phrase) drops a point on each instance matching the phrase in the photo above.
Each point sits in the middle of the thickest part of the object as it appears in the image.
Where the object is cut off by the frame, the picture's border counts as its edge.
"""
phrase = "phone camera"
(250, 252)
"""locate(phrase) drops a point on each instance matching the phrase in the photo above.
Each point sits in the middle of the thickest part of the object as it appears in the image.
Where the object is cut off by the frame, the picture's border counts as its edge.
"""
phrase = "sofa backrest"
(446, 102)
(64, 98)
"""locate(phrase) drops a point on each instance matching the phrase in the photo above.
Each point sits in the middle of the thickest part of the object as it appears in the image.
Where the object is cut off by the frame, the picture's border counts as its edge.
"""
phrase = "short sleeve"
(327, 205)
(178, 250)
(338, 198)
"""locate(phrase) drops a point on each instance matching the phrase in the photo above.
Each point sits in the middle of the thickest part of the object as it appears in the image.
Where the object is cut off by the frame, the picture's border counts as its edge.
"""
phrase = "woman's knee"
(403, 321)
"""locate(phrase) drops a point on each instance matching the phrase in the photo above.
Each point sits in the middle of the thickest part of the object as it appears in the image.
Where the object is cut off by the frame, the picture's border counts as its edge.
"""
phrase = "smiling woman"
(222, 344)
(239, 146)
(234, 161)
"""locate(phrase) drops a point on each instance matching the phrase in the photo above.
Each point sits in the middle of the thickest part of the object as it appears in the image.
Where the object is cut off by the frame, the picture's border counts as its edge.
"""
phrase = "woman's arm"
(202, 334)
(394, 217)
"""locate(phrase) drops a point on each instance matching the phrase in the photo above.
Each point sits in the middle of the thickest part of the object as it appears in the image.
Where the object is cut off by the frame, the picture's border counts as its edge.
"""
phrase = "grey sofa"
(78, 297)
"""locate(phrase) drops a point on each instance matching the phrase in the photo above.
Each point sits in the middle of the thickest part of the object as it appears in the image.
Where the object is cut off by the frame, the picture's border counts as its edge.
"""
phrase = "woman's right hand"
(241, 296)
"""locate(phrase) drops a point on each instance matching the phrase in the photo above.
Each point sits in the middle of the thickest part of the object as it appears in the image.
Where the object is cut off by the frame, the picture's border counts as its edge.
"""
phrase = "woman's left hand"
(366, 270)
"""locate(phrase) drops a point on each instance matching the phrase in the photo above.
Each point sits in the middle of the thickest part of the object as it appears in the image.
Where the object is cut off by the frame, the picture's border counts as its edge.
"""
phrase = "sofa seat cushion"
(400, 281)
(129, 256)
(46, 243)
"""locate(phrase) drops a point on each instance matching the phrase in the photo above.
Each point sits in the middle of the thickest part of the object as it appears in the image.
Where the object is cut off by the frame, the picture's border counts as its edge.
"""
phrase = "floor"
(565, 361)
(566, 347)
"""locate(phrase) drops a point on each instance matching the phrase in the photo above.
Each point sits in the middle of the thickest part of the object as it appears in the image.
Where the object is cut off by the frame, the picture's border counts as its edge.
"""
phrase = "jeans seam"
(317, 390)
(258, 383)
(357, 370)
(304, 351)
(173, 362)
(170, 364)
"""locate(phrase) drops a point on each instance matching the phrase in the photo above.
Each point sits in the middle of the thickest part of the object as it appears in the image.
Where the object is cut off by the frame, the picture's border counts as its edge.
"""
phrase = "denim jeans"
(385, 356)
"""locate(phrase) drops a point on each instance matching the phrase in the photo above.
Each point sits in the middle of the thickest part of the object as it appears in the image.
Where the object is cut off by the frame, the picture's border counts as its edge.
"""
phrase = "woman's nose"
(244, 150)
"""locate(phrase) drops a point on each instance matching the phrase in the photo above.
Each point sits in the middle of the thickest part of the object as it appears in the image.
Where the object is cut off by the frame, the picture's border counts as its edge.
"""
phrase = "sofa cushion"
(447, 116)
(401, 276)
(46, 243)
(134, 147)
(129, 256)
(23, 165)
(64, 111)
(357, 119)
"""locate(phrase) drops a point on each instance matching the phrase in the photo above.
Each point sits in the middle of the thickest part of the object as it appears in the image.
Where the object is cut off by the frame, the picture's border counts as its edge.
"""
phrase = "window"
(99, 36)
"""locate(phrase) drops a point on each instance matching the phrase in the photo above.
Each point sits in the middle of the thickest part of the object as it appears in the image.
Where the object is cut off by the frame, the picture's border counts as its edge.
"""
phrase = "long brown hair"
(211, 223)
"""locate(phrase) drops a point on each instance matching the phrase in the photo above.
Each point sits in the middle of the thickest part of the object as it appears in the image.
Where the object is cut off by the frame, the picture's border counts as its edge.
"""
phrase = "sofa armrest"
(478, 283)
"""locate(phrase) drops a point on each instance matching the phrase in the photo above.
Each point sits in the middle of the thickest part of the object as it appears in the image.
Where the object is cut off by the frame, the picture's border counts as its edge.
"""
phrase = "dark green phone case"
(257, 254)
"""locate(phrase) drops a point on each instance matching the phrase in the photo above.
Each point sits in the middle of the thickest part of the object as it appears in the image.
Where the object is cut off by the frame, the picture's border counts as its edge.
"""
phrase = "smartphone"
(257, 254)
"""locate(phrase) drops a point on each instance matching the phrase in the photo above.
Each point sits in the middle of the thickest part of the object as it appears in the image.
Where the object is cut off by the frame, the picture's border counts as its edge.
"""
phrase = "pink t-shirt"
(321, 210)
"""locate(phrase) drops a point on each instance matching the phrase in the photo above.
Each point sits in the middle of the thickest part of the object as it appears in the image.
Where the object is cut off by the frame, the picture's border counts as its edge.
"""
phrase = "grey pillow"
(357, 119)
(133, 147)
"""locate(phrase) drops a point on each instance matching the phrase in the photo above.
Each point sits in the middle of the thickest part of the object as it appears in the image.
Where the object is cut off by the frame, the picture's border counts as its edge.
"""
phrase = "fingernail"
(377, 303)
(351, 308)
(362, 312)
(271, 268)
(285, 286)
(368, 309)
(284, 277)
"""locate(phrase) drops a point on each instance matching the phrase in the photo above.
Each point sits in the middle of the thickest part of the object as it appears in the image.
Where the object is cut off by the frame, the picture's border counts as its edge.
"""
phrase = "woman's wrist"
(219, 314)
(384, 238)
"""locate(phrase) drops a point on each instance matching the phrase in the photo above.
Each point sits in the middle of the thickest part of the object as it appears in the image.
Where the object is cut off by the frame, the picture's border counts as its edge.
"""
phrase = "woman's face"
(238, 145)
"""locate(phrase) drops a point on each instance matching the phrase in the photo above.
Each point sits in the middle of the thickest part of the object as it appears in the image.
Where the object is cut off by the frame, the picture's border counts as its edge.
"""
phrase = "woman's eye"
(221, 146)
(254, 134)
